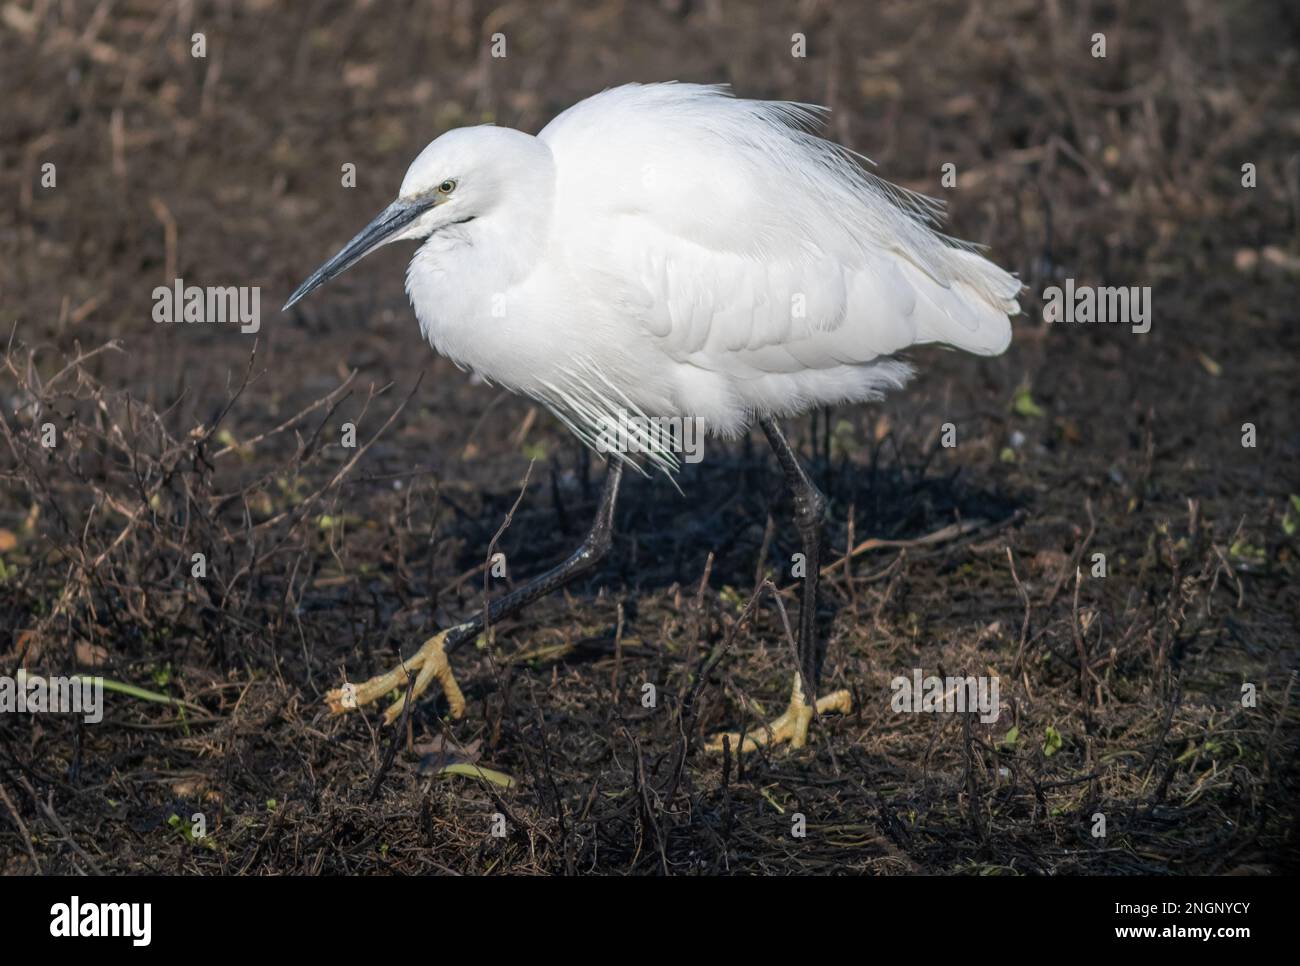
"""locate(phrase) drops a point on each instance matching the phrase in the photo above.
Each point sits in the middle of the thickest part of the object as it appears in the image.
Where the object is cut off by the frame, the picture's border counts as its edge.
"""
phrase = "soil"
(1160, 696)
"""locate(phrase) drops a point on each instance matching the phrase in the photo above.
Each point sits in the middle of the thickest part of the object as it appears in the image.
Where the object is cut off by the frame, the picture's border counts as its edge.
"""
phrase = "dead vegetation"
(1122, 694)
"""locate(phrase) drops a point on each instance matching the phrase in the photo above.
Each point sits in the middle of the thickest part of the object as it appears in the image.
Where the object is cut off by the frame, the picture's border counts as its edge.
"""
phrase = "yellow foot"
(791, 726)
(430, 661)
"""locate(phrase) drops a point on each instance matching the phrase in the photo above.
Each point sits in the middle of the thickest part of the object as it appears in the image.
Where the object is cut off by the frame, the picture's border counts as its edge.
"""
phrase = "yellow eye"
(447, 187)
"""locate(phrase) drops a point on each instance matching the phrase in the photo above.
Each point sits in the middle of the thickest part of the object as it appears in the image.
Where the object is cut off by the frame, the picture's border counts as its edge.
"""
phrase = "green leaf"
(1289, 519)
(1024, 404)
(130, 690)
(1053, 743)
(478, 771)
(184, 829)
(1243, 550)
(1012, 734)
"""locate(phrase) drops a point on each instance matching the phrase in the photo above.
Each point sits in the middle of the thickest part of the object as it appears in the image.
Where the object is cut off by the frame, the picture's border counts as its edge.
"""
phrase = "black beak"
(376, 234)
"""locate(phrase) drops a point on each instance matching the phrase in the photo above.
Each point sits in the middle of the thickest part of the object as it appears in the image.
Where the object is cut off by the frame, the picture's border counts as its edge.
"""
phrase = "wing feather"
(729, 230)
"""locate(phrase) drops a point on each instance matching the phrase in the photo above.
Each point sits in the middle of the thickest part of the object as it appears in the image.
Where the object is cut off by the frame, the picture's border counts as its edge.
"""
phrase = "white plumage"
(669, 250)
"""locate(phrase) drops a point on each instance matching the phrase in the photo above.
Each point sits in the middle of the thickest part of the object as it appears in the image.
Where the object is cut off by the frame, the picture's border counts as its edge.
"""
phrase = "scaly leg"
(431, 659)
(809, 511)
(791, 726)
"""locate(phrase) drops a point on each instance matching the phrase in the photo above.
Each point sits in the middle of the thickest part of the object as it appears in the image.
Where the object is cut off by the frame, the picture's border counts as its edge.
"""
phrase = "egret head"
(466, 174)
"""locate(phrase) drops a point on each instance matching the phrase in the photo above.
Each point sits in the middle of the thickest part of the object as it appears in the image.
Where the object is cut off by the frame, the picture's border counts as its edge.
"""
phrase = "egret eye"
(447, 187)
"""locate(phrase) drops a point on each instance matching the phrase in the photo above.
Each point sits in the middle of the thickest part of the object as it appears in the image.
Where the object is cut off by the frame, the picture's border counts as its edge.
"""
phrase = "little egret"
(670, 251)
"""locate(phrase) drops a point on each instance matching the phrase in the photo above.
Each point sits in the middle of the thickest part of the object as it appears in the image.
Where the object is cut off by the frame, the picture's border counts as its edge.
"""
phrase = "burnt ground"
(1122, 695)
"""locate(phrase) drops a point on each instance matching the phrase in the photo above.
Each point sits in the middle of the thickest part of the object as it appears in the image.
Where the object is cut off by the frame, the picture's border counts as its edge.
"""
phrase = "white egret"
(667, 250)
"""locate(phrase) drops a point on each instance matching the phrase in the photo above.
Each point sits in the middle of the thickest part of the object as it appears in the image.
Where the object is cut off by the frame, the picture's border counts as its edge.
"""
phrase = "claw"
(792, 726)
(431, 661)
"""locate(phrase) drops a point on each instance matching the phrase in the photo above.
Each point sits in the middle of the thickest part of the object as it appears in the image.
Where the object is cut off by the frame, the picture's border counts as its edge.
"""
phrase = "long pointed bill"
(375, 235)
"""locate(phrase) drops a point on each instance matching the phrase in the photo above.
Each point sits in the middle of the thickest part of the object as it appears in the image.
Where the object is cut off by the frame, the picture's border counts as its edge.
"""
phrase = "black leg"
(431, 660)
(809, 510)
(593, 548)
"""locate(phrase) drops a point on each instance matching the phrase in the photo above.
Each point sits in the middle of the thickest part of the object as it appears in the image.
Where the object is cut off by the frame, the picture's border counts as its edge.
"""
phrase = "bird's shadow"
(722, 506)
